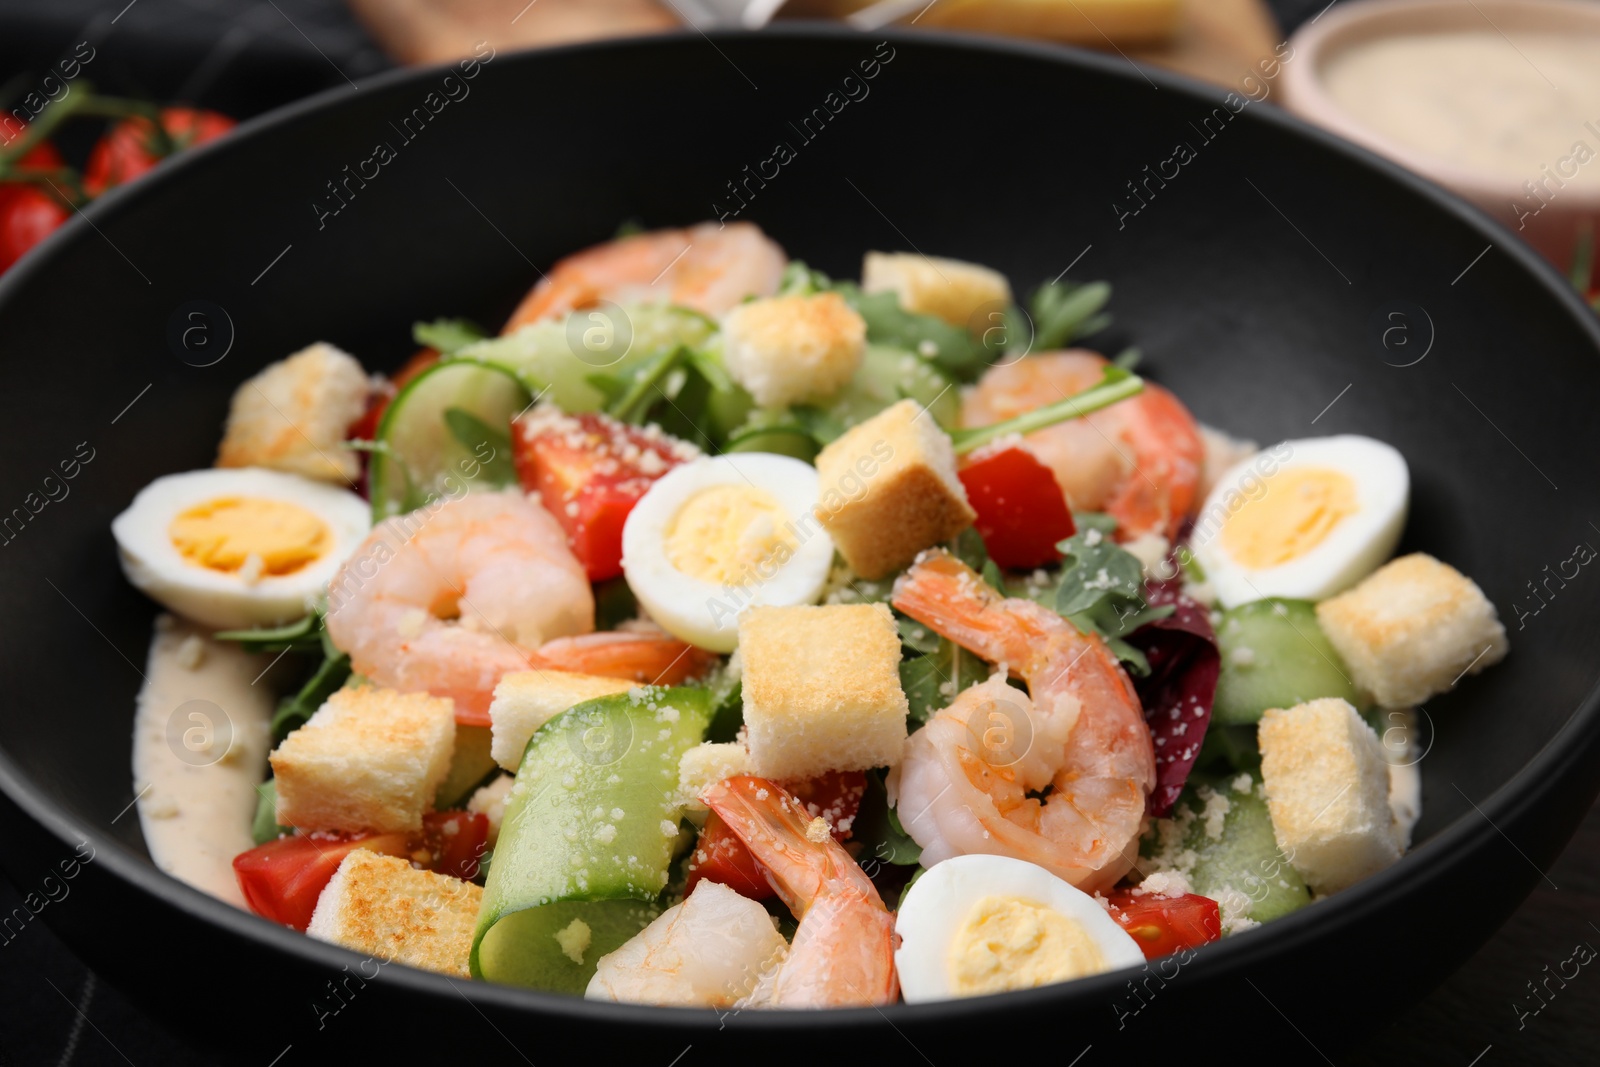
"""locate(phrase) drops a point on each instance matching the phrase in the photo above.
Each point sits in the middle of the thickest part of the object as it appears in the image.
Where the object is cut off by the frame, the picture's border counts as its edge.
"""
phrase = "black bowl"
(1283, 283)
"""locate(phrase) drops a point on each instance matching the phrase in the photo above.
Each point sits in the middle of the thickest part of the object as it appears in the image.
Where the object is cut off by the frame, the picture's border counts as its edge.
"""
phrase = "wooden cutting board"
(1221, 40)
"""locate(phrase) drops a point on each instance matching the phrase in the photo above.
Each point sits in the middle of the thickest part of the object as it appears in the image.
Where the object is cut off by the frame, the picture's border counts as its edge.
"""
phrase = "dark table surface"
(243, 57)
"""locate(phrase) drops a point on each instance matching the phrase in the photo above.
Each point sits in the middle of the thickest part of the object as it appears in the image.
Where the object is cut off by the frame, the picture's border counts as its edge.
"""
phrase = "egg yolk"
(1012, 943)
(1300, 507)
(729, 534)
(223, 534)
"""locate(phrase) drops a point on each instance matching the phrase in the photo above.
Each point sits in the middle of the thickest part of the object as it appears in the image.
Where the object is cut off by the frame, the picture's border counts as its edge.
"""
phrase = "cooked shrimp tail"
(843, 949)
(971, 778)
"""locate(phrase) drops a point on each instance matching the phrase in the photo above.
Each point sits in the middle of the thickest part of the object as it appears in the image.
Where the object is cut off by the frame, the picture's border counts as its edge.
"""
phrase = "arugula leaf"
(915, 636)
(473, 434)
(1065, 311)
(614, 603)
(877, 828)
(447, 336)
(300, 636)
(297, 708)
(727, 704)
(952, 349)
(1099, 588)
(931, 681)
(264, 827)
(800, 280)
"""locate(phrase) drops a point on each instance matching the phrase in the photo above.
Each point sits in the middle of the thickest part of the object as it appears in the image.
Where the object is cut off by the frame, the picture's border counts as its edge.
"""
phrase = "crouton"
(369, 759)
(1327, 786)
(703, 766)
(381, 906)
(948, 289)
(1412, 628)
(526, 700)
(888, 489)
(295, 415)
(821, 689)
(789, 349)
(490, 800)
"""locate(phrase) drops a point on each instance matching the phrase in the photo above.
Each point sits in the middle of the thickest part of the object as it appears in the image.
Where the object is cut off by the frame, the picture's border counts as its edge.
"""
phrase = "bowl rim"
(1569, 745)
(1348, 24)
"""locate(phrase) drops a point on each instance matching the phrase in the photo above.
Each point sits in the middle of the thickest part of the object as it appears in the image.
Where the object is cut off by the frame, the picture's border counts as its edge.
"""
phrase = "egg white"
(938, 903)
(215, 598)
(701, 612)
(1353, 549)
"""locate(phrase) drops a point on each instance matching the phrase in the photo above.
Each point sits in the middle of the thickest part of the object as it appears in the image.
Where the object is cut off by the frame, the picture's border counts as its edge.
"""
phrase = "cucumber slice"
(588, 837)
(561, 355)
(888, 375)
(1245, 858)
(470, 764)
(1275, 655)
(446, 432)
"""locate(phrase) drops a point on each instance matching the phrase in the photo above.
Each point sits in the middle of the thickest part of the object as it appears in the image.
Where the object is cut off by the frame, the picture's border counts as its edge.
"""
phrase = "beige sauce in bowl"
(1508, 105)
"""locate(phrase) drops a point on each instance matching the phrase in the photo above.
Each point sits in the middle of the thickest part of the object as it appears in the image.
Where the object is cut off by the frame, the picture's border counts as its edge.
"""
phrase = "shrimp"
(449, 601)
(843, 950)
(970, 777)
(707, 952)
(708, 267)
(650, 655)
(1140, 459)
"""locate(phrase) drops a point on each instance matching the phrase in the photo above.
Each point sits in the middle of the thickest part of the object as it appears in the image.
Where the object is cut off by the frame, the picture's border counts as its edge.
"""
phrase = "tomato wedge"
(282, 879)
(1164, 925)
(456, 840)
(1021, 510)
(590, 470)
(719, 855)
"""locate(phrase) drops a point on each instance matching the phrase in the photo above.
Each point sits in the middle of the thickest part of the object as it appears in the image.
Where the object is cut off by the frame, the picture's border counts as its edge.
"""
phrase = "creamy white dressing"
(196, 766)
(1400, 751)
(1502, 105)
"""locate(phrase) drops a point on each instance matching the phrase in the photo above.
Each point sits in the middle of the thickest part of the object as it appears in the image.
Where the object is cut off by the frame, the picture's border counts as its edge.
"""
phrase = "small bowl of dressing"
(1497, 100)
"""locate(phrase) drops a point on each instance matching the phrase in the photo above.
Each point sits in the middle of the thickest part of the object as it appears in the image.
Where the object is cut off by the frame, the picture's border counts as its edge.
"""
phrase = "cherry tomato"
(130, 147)
(1164, 925)
(457, 841)
(28, 211)
(720, 856)
(282, 879)
(1021, 511)
(590, 470)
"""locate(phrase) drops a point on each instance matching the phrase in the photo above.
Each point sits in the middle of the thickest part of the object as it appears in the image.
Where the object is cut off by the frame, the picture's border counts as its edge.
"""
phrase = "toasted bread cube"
(888, 489)
(381, 906)
(789, 349)
(1327, 786)
(821, 689)
(526, 700)
(369, 759)
(949, 289)
(295, 415)
(1412, 628)
(490, 800)
(703, 766)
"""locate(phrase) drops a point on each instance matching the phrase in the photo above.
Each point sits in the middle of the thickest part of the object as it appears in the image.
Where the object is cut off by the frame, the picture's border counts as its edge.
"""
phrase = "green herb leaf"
(877, 829)
(1065, 311)
(1115, 386)
(301, 635)
(950, 348)
(295, 709)
(614, 603)
(916, 636)
(447, 336)
(264, 827)
(932, 681)
(474, 435)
